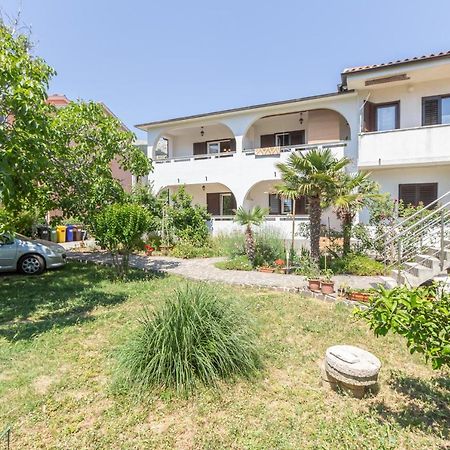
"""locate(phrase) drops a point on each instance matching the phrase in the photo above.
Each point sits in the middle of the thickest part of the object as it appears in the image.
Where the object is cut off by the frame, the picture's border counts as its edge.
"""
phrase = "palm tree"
(353, 192)
(314, 174)
(289, 192)
(248, 218)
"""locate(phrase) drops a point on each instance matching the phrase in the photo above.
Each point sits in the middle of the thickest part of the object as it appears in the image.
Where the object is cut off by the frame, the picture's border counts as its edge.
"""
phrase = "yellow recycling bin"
(61, 233)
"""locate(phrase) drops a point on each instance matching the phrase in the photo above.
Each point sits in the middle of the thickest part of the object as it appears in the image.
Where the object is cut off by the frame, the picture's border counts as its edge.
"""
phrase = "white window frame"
(216, 142)
(277, 135)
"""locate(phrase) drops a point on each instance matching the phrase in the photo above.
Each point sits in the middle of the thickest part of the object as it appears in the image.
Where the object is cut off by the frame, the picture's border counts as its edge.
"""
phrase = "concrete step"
(428, 261)
(434, 251)
(418, 270)
(406, 278)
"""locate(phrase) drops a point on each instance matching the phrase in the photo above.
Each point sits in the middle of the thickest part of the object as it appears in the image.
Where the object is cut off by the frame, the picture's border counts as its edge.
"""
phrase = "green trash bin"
(53, 235)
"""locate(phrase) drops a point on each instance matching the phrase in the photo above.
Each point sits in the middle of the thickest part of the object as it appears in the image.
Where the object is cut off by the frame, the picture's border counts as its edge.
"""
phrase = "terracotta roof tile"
(399, 61)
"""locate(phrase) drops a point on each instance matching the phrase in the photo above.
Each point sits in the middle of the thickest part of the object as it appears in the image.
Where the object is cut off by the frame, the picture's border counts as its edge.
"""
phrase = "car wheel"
(31, 265)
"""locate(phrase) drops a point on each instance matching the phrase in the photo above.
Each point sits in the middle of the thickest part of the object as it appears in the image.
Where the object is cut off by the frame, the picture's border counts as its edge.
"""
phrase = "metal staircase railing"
(5, 436)
(426, 232)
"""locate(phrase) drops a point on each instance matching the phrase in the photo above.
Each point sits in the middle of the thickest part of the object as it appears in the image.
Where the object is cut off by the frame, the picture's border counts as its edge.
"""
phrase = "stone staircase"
(417, 248)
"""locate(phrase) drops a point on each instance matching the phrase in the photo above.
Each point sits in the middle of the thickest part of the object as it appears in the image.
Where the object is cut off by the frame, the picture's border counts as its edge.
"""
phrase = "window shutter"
(369, 117)
(430, 111)
(297, 137)
(408, 194)
(427, 193)
(274, 204)
(200, 148)
(300, 205)
(213, 204)
(413, 194)
(267, 140)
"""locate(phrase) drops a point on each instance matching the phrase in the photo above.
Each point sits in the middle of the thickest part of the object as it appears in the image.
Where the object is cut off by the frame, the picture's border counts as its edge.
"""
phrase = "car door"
(8, 252)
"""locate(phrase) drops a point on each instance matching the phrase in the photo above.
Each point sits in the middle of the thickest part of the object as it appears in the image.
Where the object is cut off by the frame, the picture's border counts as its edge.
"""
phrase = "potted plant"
(327, 284)
(312, 273)
(149, 250)
(280, 265)
(344, 290)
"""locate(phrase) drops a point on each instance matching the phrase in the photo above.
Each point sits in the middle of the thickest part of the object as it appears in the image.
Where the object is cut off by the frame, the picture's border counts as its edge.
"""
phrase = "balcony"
(419, 146)
(220, 167)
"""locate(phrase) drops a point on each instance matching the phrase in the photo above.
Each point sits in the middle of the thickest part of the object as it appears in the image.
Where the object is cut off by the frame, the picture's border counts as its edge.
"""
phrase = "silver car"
(29, 256)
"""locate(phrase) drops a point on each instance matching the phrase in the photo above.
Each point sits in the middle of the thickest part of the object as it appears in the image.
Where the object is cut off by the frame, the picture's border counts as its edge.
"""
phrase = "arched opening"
(309, 127)
(201, 139)
(217, 198)
(264, 194)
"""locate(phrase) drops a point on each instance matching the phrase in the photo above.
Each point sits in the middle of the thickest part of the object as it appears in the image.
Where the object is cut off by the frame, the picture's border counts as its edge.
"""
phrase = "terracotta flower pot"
(327, 287)
(267, 269)
(359, 296)
(314, 284)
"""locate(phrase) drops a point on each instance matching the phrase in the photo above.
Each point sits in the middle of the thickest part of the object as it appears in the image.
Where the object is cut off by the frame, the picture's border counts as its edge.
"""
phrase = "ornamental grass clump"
(195, 338)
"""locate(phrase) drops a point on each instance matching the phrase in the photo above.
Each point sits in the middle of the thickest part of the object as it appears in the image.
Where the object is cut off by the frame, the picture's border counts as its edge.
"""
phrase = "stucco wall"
(410, 96)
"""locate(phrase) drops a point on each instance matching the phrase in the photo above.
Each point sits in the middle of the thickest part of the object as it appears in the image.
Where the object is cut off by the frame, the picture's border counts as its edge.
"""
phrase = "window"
(162, 149)
(282, 139)
(274, 204)
(436, 110)
(286, 206)
(226, 204)
(415, 193)
(220, 146)
(279, 205)
(387, 116)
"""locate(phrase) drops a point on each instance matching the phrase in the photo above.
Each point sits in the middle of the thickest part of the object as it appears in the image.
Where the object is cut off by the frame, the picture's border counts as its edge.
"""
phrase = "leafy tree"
(188, 221)
(313, 174)
(143, 195)
(84, 141)
(421, 315)
(352, 193)
(23, 121)
(248, 218)
(119, 229)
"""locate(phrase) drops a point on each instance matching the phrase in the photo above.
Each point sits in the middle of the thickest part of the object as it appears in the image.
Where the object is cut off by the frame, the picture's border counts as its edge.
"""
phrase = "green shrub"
(354, 264)
(269, 247)
(236, 263)
(230, 244)
(187, 250)
(195, 337)
(119, 229)
(421, 315)
(188, 221)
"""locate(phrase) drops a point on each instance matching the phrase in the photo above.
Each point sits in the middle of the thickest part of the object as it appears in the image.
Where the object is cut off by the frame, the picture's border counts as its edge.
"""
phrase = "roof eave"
(146, 126)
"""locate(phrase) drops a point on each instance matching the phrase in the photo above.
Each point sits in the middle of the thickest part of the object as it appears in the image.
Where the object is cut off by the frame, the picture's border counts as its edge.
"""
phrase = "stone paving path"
(204, 269)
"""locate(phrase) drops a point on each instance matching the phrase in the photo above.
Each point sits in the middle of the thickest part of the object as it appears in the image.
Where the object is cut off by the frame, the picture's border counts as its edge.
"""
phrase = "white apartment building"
(391, 119)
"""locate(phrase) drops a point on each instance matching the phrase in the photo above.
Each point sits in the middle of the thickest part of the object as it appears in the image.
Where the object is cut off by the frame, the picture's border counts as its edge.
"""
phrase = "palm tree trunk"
(346, 232)
(315, 215)
(250, 244)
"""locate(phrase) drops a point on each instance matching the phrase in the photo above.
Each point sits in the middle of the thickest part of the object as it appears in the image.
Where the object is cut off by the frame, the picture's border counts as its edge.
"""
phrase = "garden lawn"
(58, 337)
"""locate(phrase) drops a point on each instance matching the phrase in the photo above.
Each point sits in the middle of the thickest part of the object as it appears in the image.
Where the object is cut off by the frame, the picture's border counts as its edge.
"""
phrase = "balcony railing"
(271, 151)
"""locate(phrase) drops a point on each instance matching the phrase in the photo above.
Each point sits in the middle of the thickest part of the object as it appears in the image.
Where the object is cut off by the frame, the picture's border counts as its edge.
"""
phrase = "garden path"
(203, 269)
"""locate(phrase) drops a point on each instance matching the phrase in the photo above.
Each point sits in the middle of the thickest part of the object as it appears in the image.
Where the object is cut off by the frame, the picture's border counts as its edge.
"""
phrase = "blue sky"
(150, 60)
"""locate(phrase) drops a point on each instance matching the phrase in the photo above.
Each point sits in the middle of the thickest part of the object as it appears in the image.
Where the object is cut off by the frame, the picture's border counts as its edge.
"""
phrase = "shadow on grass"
(426, 404)
(30, 306)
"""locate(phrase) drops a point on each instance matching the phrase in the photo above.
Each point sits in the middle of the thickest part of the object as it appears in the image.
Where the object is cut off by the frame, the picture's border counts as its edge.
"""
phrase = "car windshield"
(22, 237)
